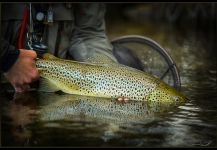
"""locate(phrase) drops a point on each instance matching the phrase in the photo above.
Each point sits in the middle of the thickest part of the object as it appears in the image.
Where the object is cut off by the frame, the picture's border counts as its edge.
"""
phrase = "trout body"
(105, 80)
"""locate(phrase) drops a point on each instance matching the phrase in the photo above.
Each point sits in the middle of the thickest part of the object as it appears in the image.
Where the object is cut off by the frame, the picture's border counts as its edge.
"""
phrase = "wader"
(78, 31)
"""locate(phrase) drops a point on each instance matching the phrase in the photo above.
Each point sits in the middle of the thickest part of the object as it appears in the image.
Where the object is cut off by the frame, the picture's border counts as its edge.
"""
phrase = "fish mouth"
(166, 95)
(180, 99)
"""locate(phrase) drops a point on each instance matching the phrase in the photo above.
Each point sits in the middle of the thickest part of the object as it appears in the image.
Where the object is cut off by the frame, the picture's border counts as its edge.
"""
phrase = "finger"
(21, 88)
(126, 99)
(35, 74)
(18, 89)
(33, 54)
(30, 53)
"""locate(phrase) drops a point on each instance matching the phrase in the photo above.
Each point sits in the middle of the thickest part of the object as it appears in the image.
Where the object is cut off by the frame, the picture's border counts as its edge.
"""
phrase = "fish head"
(166, 95)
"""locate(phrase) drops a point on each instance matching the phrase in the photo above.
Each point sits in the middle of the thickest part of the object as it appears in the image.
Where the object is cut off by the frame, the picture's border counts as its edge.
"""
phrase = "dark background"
(201, 17)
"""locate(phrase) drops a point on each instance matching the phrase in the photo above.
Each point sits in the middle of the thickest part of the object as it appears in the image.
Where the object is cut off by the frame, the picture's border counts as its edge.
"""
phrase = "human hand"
(24, 71)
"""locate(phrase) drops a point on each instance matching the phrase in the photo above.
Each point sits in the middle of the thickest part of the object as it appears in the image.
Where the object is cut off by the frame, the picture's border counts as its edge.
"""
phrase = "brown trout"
(106, 80)
(72, 107)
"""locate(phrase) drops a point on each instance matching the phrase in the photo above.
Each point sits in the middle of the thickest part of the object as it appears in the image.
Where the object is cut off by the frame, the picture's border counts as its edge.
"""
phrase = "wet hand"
(24, 71)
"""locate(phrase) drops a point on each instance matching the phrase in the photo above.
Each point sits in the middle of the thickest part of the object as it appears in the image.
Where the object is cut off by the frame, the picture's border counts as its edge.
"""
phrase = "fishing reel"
(37, 45)
(36, 30)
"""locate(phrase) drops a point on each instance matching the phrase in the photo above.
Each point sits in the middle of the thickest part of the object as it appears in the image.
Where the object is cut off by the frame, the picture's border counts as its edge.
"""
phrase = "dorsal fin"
(100, 59)
(49, 56)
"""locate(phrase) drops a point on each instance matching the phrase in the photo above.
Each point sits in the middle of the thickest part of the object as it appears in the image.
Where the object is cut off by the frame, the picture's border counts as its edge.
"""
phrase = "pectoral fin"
(46, 85)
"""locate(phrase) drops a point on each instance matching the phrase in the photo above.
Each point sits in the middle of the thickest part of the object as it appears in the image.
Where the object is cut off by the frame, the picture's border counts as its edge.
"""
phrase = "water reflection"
(69, 112)
(20, 112)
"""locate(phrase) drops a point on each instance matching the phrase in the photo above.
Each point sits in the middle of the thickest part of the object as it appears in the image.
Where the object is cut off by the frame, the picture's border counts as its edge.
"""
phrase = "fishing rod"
(34, 41)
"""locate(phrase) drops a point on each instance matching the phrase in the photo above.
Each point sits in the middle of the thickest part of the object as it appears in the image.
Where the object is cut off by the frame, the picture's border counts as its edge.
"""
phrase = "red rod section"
(23, 27)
